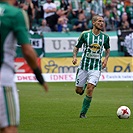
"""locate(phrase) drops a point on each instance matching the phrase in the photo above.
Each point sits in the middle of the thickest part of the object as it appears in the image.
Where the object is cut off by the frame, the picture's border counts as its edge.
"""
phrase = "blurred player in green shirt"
(13, 30)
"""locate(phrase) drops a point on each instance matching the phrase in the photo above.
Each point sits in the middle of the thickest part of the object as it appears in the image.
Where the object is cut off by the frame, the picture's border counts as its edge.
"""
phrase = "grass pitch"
(58, 110)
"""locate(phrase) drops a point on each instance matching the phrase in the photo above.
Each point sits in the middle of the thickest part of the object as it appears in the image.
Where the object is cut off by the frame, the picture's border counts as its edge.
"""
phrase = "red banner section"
(21, 66)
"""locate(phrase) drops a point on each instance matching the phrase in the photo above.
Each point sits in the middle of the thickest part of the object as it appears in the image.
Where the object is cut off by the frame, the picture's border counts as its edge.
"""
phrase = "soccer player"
(13, 26)
(88, 73)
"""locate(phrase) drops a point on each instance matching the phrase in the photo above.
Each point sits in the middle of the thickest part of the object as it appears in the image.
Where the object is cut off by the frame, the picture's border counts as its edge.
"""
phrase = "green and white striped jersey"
(93, 46)
(13, 30)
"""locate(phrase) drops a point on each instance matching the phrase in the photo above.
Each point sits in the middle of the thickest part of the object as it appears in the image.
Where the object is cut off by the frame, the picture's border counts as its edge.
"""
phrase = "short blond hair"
(95, 17)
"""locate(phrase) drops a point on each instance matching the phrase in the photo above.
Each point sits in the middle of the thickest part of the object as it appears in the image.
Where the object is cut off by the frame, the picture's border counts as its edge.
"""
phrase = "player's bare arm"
(107, 53)
(30, 56)
(75, 52)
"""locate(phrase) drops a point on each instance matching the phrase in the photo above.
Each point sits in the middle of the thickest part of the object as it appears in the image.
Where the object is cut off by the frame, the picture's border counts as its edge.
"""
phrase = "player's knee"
(90, 89)
(78, 90)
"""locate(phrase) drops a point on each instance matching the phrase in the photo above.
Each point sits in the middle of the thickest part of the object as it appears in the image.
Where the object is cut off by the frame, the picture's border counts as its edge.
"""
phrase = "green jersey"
(93, 46)
(13, 30)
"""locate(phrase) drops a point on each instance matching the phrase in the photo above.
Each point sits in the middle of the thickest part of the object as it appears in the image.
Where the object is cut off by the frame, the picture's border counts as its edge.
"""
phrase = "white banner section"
(70, 77)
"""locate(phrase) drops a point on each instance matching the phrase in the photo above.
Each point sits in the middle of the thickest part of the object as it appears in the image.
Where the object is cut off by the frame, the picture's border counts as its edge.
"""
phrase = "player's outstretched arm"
(31, 58)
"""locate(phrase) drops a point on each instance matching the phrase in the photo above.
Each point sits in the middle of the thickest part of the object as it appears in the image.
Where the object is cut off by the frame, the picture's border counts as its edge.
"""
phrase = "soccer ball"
(123, 112)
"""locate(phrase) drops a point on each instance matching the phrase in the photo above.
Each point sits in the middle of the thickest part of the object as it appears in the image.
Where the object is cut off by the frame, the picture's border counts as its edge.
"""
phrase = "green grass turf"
(58, 110)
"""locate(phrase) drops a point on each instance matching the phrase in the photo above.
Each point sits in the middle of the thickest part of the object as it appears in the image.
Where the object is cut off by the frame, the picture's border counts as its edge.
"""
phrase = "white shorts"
(9, 100)
(9, 106)
(91, 76)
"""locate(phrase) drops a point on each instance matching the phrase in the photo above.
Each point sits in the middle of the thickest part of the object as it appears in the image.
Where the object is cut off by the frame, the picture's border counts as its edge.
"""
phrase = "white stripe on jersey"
(88, 43)
(98, 41)
(102, 44)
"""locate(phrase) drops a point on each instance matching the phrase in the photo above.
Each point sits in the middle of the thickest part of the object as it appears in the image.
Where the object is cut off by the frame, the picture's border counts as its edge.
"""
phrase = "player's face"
(99, 23)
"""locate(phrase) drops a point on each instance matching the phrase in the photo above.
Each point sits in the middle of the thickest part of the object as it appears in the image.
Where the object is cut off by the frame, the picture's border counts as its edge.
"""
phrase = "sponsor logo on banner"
(57, 45)
(66, 44)
(120, 64)
(21, 65)
(58, 65)
(57, 77)
(36, 43)
(64, 65)
(25, 78)
(70, 77)
(116, 76)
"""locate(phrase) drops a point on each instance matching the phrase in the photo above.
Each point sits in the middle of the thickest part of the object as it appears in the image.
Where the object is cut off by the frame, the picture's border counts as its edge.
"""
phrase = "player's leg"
(87, 100)
(81, 77)
(9, 111)
(92, 82)
(80, 90)
(9, 129)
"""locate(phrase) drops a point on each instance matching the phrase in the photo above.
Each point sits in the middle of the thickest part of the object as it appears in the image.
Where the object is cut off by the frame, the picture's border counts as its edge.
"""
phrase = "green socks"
(86, 104)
